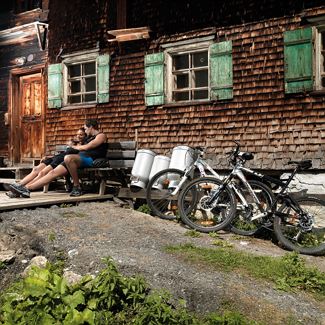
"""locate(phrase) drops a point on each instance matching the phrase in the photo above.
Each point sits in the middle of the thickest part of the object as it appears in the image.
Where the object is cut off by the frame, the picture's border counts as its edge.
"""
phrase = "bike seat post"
(286, 185)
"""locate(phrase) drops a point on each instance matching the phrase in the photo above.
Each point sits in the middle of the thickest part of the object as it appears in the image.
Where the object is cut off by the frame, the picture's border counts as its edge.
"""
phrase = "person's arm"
(100, 138)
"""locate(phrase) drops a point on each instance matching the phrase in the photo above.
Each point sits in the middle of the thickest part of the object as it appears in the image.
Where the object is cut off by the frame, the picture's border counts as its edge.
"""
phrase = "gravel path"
(136, 241)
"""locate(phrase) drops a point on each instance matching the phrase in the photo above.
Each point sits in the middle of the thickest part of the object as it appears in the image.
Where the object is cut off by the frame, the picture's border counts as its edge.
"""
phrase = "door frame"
(14, 108)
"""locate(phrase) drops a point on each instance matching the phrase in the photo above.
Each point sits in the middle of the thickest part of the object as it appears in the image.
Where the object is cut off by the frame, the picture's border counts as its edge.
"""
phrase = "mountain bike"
(248, 198)
(164, 187)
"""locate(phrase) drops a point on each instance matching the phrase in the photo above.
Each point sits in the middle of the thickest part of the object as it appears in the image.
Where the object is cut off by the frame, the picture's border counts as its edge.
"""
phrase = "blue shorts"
(85, 161)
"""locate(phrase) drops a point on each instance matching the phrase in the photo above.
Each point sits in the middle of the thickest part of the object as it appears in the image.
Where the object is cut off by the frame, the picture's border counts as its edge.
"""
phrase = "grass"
(2, 265)
(72, 214)
(192, 233)
(287, 273)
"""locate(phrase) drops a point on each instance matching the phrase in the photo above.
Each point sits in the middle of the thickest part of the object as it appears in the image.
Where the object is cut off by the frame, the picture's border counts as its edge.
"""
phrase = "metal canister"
(159, 163)
(141, 168)
(182, 157)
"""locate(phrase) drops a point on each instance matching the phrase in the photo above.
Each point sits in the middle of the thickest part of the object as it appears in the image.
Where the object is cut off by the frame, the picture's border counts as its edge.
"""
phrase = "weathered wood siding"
(275, 126)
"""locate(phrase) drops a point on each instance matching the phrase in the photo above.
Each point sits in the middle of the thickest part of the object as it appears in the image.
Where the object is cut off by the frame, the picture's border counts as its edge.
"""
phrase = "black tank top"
(98, 152)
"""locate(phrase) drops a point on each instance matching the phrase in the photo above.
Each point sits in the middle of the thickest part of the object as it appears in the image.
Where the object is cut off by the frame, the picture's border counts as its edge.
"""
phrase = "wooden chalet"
(168, 73)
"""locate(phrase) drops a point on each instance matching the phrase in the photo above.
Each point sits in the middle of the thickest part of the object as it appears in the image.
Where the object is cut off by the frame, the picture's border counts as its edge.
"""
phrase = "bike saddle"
(303, 164)
(246, 155)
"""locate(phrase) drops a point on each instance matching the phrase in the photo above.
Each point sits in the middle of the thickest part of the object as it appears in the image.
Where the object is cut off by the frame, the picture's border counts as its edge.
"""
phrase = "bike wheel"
(305, 232)
(159, 199)
(242, 223)
(196, 210)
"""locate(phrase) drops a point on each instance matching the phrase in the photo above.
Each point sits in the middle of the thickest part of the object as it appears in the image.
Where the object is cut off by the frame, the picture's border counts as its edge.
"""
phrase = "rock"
(7, 256)
(71, 277)
(72, 252)
(39, 261)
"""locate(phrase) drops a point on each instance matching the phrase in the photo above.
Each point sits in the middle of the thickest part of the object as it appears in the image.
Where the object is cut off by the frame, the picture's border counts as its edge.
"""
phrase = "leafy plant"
(297, 275)
(44, 297)
(144, 208)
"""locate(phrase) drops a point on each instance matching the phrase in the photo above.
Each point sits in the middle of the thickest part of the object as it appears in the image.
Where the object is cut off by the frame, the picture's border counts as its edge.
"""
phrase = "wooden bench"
(120, 157)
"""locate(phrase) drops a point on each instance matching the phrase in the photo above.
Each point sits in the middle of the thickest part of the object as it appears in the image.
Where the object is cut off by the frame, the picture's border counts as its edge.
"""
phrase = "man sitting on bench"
(94, 148)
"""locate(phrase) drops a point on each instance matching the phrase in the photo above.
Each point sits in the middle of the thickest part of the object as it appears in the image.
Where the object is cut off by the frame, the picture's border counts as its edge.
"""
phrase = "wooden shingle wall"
(275, 126)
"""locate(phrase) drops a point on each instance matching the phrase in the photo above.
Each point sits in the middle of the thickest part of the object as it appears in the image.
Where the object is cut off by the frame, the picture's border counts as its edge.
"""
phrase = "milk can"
(159, 163)
(182, 157)
(141, 168)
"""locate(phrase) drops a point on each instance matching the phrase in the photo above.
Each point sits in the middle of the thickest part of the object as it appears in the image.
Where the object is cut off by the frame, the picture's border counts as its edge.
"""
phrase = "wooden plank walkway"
(38, 199)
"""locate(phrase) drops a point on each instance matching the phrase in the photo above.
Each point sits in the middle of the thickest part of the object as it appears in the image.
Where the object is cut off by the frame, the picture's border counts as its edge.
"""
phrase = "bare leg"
(73, 163)
(34, 173)
(41, 174)
(52, 175)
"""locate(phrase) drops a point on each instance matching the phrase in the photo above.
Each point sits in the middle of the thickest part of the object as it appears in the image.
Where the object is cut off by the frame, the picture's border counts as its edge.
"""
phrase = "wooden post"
(102, 187)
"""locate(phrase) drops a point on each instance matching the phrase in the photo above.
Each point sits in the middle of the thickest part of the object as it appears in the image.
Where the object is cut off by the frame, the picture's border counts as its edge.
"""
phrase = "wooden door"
(31, 128)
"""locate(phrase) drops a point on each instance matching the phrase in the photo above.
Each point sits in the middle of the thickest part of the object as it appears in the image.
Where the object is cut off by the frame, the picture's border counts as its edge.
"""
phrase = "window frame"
(319, 66)
(170, 51)
(74, 59)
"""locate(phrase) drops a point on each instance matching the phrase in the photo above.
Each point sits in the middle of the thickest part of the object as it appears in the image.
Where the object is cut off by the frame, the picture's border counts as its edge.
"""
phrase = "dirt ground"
(90, 231)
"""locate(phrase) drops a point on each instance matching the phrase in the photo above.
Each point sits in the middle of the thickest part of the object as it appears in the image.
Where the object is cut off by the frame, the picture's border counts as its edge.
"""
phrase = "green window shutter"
(54, 85)
(154, 79)
(298, 60)
(103, 78)
(221, 76)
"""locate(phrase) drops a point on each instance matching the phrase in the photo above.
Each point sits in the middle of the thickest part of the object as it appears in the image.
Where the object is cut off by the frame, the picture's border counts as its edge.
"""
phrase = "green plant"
(144, 208)
(214, 234)
(222, 243)
(297, 275)
(228, 317)
(192, 233)
(65, 205)
(44, 297)
(73, 214)
(51, 236)
(2, 265)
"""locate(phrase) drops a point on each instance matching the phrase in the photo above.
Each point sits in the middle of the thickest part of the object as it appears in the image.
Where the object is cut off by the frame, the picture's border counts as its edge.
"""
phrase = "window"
(184, 73)
(81, 79)
(304, 57)
(320, 58)
(190, 76)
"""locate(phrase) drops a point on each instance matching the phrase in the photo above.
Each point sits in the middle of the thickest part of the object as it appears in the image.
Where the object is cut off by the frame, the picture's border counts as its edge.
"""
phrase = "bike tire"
(158, 194)
(242, 223)
(288, 225)
(195, 215)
